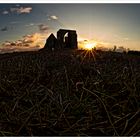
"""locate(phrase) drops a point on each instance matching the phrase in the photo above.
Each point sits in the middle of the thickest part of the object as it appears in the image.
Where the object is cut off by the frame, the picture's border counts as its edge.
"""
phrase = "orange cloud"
(27, 43)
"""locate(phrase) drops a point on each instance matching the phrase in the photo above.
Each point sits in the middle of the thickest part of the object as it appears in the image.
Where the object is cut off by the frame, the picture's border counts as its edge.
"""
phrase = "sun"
(89, 50)
(89, 45)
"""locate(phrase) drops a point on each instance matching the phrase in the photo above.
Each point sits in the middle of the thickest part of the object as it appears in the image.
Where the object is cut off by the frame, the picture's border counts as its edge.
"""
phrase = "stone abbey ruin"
(65, 39)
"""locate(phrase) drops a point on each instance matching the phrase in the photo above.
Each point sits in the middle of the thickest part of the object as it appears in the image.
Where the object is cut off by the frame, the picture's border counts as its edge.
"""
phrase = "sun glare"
(89, 45)
(89, 50)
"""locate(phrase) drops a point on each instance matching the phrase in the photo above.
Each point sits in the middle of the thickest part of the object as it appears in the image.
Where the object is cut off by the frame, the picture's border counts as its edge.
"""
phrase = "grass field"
(68, 93)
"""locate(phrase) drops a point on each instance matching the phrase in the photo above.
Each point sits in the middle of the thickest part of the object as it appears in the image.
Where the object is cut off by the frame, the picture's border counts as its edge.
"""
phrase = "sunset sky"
(26, 26)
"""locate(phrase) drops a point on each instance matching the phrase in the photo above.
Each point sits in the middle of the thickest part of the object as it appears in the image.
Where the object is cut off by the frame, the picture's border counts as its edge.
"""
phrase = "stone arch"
(62, 41)
(70, 40)
(65, 39)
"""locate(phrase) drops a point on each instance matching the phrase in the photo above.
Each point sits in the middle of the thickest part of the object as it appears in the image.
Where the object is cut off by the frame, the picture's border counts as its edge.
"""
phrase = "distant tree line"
(124, 50)
(134, 52)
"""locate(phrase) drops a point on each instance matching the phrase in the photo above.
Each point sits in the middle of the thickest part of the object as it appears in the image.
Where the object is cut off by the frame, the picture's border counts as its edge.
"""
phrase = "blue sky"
(106, 24)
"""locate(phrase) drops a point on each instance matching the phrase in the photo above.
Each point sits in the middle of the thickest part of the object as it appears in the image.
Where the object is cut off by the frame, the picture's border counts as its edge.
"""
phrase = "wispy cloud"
(17, 5)
(53, 17)
(5, 12)
(126, 38)
(4, 29)
(31, 24)
(14, 22)
(43, 28)
(21, 10)
(17, 10)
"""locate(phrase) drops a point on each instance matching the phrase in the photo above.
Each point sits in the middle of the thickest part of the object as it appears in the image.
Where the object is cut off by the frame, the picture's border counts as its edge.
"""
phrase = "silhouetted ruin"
(52, 42)
(65, 39)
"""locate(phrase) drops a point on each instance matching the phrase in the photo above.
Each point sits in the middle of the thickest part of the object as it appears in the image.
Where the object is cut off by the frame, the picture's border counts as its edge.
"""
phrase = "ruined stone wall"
(62, 41)
(71, 40)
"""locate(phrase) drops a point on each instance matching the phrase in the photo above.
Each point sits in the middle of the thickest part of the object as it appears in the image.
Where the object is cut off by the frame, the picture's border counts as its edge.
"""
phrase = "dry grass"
(62, 94)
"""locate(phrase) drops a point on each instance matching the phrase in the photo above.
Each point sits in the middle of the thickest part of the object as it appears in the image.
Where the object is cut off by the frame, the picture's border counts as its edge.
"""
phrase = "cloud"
(27, 43)
(17, 5)
(14, 22)
(17, 10)
(126, 38)
(31, 38)
(43, 28)
(7, 43)
(21, 10)
(31, 24)
(4, 29)
(5, 12)
(53, 17)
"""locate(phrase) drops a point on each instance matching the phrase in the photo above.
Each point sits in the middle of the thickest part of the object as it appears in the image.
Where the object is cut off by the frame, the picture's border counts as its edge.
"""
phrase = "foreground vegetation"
(68, 93)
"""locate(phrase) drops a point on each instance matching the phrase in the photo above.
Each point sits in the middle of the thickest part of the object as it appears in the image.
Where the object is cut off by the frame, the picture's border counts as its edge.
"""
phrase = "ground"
(68, 93)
